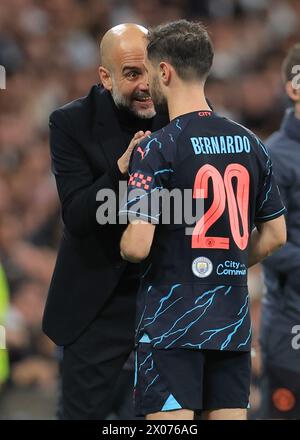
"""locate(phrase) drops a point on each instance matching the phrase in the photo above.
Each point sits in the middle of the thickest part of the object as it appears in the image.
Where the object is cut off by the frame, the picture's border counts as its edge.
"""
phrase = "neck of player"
(186, 98)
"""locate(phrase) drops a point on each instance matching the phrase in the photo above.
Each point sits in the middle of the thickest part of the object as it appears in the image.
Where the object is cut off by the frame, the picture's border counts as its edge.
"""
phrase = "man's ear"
(165, 73)
(105, 78)
(294, 94)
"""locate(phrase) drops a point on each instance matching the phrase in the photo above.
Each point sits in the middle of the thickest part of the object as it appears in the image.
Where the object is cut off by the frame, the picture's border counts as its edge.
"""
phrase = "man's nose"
(144, 84)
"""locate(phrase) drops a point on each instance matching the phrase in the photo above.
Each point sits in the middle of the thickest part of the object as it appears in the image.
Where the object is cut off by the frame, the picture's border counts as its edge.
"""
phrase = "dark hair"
(184, 44)
(292, 59)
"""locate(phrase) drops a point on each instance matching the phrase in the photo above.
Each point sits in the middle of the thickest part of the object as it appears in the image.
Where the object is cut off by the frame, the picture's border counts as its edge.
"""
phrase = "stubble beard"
(125, 104)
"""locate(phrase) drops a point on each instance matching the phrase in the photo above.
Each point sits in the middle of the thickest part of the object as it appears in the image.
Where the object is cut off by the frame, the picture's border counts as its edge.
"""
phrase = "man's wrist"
(122, 170)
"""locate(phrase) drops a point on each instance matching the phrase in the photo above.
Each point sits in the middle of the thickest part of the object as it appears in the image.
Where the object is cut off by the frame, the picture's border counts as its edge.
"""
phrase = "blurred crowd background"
(50, 50)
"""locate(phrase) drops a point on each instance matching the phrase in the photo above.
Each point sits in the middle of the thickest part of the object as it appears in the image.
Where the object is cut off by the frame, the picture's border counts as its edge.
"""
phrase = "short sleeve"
(269, 204)
(151, 168)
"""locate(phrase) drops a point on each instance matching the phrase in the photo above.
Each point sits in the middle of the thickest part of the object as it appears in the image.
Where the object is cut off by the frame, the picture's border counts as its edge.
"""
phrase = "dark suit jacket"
(86, 141)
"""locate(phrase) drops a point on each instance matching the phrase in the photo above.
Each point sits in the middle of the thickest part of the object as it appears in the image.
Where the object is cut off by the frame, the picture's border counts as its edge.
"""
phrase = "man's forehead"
(129, 55)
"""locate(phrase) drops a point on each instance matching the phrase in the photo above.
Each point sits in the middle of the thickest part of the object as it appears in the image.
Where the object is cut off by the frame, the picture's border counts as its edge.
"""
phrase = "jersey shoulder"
(258, 147)
(241, 129)
(167, 134)
(162, 141)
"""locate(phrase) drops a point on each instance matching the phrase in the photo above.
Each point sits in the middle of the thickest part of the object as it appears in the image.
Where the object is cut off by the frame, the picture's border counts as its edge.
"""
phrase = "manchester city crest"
(202, 267)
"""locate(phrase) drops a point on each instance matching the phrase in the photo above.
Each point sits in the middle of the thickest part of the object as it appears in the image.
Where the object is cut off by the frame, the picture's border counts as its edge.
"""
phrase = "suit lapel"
(107, 130)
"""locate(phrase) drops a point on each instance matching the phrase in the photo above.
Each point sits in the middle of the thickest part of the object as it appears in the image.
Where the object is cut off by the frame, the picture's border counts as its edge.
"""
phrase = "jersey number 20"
(223, 193)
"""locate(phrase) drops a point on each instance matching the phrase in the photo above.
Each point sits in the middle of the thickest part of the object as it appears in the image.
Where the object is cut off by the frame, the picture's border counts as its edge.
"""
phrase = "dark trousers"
(92, 364)
(280, 389)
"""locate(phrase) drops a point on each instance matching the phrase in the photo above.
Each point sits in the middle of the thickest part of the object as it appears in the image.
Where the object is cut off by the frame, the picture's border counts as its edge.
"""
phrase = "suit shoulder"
(70, 111)
(280, 144)
(77, 110)
(275, 139)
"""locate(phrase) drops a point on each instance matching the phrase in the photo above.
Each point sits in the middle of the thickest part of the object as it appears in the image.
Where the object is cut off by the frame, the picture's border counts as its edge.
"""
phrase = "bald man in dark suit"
(90, 310)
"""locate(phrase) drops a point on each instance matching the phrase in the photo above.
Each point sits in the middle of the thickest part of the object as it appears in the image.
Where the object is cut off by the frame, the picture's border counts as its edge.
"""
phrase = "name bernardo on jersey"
(220, 144)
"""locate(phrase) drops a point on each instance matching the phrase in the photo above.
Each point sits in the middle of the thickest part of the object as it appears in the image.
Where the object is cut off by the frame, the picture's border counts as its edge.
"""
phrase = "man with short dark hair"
(193, 329)
(281, 305)
(90, 309)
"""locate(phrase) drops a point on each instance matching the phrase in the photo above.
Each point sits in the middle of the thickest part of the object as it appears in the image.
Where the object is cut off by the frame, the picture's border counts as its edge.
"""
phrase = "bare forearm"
(136, 241)
(125, 246)
(265, 239)
(257, 248)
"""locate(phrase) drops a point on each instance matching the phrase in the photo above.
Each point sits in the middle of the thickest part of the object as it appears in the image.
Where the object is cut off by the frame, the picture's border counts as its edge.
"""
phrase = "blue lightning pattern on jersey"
(269, 171)
(228, 290)
(171, 137)
(242, 344)
(161, 313)
(150, 384)
(151, 368)
(177, 124)
(208, 292)
(243, 306)
(262, 146)
(216, 331)
(147, 369)
(161, 301)
(148, 146)
(185, 328)
(135, 368)
(188, 319)
(145, 360)
(164, 171)
(238, 324)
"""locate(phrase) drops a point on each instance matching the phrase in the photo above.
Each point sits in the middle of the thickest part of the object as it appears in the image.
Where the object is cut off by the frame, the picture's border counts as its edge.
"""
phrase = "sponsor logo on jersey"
(231, 268)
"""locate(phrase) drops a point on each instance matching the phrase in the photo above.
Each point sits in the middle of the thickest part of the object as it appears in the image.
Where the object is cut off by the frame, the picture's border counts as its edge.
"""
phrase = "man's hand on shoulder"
(123, 161)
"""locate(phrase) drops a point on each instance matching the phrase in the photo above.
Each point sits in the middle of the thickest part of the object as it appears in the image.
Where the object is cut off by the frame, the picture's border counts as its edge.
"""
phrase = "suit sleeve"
(269, 204)
(286, 259)
(151, 168)
(76, 185)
